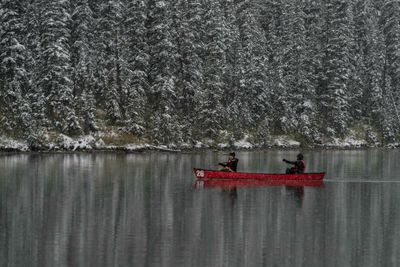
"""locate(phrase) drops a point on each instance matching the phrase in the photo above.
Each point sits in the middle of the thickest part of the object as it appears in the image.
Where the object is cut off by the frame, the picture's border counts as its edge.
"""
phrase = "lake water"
(109, 209)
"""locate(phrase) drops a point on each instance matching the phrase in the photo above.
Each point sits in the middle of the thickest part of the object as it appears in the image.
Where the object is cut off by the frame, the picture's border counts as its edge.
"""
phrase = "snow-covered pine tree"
(211, 115)
(187, 33)
(356, 81)
(15, 112)
(370, 53)
(195, 67)
(312, 64)
(55, 66)
(137, 58)
(390, 111)
(82, 63)
(163, 126)
(231, 38)
(109, 43)
(252, 101)
(374, 107)
(333, 93)
(359, 77)
(237, 111)
(283, 54)
(295, 77)
(391, 75)
(308, 66)
(37, 99)
(271, 20)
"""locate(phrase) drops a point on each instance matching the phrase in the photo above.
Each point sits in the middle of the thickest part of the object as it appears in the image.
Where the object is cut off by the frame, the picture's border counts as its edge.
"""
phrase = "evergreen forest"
(184, 70)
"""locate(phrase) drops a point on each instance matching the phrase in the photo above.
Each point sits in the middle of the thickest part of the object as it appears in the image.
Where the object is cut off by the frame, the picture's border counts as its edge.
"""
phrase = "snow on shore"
(95, 143)
(11, 145)
(285, 142)
(64, 142)
(243, 143)
(348, 142)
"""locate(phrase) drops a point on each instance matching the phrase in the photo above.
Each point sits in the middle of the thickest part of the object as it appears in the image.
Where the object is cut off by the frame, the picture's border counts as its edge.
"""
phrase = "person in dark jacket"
(299, 165)
(231, 165)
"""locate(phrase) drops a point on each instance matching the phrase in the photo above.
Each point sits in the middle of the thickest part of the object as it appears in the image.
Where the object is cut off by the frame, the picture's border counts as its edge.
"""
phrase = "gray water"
(141, 210)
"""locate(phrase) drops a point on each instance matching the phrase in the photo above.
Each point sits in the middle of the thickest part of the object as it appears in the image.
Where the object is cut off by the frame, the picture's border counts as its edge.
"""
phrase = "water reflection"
(297, 192)
(141, 210)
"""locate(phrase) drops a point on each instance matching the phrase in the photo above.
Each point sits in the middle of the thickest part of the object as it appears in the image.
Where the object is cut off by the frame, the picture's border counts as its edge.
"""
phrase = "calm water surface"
(141, 210)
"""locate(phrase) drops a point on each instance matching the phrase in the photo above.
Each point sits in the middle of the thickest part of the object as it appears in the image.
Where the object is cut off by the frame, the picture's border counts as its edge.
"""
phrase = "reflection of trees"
(80, 210)
(139, 210)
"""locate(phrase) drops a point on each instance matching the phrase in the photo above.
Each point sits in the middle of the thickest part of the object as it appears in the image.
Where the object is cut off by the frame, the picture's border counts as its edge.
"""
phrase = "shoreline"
(90, 143)
(151, 148)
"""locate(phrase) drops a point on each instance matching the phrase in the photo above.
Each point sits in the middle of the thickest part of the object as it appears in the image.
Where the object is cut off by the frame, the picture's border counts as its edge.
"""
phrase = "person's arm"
(222, 164)
(232, 165)
(289, 162)
(229, 169)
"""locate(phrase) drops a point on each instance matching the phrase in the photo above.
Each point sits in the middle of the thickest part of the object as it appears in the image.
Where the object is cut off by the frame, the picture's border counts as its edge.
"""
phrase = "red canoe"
(210, 174)
(228, 183)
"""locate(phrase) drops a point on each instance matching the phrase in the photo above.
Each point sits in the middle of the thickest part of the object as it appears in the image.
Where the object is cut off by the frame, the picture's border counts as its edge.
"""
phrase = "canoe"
(232, 183)
(211, 174)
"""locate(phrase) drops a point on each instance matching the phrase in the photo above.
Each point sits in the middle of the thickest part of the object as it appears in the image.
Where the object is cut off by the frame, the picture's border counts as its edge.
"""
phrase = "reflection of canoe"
(228, 183)
(210, 174)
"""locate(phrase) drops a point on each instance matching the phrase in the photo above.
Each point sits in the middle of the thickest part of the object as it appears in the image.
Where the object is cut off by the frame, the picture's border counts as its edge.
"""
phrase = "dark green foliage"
(15, 108)
(136, 51)
(186, 70)
(54, 67)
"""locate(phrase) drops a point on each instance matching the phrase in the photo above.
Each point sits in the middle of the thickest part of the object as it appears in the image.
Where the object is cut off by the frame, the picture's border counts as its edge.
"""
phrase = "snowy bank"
(361, 139)
(64, 142)
(11, 145)
(348, 142)
(284, 141)
(100, 142)
(247, 142)
(243, 143)
(87, 143)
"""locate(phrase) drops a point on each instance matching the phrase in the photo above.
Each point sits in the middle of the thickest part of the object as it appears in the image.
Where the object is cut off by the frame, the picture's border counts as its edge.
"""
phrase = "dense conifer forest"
(186, 70)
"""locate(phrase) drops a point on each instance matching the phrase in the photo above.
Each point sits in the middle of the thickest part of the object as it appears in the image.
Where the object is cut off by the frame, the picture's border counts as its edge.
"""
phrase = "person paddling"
(299, 165)
(231, 165)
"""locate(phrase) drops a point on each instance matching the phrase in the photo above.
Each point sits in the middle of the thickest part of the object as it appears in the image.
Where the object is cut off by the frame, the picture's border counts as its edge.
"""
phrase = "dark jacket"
(299, 165)
(232, 164)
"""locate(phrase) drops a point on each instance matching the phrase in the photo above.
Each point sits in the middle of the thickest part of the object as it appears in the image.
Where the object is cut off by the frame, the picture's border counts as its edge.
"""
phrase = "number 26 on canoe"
(200, 173)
